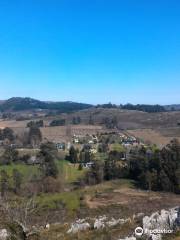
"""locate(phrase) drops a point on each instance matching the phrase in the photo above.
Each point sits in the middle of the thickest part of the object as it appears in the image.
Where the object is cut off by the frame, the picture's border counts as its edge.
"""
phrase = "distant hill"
(173, 107)
(138, 107)
(24, 104)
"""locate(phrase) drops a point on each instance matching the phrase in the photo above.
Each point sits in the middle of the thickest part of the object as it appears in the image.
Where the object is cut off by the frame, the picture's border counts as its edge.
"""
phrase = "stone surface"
(100, 222)
(79, 225)
(3, 234)
(128, 238)
(164, 221)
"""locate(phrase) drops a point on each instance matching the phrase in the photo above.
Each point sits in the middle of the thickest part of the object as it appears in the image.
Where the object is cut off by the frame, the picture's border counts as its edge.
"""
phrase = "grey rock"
(79, 225)
(3, 234)
(113, 222)
(163, 221)
(128, 238)
(100, 222)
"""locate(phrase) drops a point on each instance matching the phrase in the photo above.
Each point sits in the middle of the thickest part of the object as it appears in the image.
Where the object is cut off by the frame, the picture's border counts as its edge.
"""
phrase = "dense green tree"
(91, 121)
(96, 173)
(76, 120)
(47, 155)
(73, 155)
(160, 170)
(58, 122)
(4, 182)
(103, 148)
(17, 180)
(35, 136)
(170, 164)
(37, 124)
(7, 133)
(9, 156)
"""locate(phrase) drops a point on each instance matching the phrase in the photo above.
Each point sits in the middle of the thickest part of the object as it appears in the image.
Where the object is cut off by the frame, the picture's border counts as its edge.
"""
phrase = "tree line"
(46, 180)
(157, 170)
(139, 107)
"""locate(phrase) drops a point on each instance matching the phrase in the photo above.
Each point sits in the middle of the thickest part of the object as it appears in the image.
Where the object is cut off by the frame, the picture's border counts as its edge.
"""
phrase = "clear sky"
(92, 51)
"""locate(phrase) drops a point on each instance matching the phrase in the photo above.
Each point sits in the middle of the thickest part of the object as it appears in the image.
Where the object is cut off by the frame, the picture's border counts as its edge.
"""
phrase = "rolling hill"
(23, 104)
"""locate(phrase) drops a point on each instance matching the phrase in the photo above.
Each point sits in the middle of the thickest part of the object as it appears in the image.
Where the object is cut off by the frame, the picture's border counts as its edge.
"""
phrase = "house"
(76, 140)
(61, 146)
(68, 145)
(33, 160)
(88, 164)
(93, 151)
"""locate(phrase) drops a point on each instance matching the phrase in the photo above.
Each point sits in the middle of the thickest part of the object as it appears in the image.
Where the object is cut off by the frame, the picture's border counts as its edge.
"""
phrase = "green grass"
(27, 171)
(69, 171)
(71, 200)
(100, 156)
(117, 147)
(31, 152)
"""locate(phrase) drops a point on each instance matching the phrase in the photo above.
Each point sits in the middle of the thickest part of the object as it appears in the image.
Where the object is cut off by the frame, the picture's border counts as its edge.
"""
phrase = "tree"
(9, 156)
(7, 133)
(37, 124)
(112, 168)
(19, 214)
(97, 171)
(91, 121)
(4, 182)
(73, 155)
(35, 136)
(103, 147)
(85, 154)
(58, 122)
(48, 153)
(17, 180)
(76, 120)
(158, 171)
(170, 165)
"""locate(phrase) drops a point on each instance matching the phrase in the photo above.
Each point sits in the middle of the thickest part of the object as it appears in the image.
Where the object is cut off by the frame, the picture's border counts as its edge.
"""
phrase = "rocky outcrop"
(100, 222)
(97, 223)
(160, 223)
(79, 225)
(4, 234)
(128, 238)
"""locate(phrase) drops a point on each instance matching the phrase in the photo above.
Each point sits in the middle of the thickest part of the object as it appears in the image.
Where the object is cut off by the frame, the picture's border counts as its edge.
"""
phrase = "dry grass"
(158, 137)
(131, 199)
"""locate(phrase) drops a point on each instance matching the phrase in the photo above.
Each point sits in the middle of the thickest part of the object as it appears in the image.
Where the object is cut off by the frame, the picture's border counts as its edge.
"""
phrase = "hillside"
(23, 104)
(129, 119)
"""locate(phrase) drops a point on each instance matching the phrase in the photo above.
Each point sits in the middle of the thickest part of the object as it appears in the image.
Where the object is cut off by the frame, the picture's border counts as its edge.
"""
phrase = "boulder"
(3, 234)
(164, 221)
(79, 225)
(100, 222)
(128, 238)
(113, 222)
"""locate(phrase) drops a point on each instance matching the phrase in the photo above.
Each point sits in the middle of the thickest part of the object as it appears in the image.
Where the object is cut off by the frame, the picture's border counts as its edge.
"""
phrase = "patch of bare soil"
(151, 136)
(134, 200)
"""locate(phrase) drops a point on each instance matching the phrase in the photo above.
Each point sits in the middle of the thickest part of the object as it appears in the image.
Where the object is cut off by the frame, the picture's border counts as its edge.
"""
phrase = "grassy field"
(71, 201)
(117, 147)
(27, 171)
(153, 136)
(69, 171)
(118, 199)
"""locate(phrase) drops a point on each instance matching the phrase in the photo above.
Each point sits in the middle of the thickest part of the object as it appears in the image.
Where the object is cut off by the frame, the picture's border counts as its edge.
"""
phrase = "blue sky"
(92, 51)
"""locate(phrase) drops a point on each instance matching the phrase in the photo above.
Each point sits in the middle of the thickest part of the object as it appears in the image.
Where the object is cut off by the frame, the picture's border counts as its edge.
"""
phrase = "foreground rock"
(97, 223)
(4, 234)
(128, 238)
(160, 223)
(79, 225)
